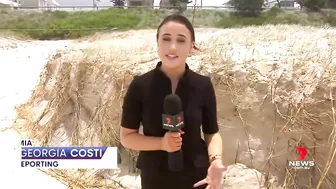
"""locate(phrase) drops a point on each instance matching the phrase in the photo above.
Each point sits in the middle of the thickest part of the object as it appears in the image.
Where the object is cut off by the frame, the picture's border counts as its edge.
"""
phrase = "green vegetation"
(63, 25)
(247, 7)
(316, 5)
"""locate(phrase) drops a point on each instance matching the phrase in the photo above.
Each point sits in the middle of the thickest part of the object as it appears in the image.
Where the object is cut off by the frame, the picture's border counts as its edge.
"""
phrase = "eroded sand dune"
(275, 86)
(21, 63)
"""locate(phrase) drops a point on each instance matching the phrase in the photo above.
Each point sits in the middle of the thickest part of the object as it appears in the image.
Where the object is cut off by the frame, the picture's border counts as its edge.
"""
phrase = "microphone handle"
(175, 161)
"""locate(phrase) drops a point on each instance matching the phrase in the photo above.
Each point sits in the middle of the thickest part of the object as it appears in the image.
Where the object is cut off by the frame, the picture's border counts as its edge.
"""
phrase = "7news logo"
(301, 163)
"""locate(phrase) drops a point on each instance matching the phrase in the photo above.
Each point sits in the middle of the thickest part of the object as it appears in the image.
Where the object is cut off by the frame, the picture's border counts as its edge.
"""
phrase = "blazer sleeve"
(209, 110)
(132, 106)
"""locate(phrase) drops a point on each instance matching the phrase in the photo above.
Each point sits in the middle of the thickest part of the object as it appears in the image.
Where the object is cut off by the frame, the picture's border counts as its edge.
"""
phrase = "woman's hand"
(214, 176)
(172, 141)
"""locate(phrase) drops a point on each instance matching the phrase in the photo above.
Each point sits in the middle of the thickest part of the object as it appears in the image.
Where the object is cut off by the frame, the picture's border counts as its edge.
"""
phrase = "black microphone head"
(172, 104)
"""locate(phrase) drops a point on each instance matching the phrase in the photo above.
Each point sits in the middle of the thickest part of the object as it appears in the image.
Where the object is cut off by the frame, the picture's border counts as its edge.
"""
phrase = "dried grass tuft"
(268, 79)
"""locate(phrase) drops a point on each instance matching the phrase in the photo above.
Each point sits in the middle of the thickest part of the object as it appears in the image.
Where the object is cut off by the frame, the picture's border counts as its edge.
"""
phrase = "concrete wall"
(30, 3)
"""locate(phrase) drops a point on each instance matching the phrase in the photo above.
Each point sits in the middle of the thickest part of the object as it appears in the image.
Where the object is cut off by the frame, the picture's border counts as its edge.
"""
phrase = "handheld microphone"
(173, 121)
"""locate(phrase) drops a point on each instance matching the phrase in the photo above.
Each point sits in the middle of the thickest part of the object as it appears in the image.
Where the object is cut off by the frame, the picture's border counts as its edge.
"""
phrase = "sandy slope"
(20, 66)
(22, 62)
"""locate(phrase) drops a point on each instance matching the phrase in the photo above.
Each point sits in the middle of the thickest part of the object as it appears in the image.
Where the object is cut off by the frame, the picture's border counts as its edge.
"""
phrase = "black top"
(143, 103)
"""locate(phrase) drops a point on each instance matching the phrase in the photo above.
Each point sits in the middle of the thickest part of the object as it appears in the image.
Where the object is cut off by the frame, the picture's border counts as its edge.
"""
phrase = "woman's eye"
(178, 40)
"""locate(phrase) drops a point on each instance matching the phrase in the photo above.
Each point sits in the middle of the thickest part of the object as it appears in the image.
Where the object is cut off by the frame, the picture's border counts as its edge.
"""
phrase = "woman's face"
(174, 44)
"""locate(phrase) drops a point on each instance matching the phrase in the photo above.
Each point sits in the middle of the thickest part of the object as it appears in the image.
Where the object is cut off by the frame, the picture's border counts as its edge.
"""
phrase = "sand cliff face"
(21, 63)
(275, 88)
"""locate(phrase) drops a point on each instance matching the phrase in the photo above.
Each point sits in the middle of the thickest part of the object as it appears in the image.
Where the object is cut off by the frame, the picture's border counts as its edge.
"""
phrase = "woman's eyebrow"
(170, 35)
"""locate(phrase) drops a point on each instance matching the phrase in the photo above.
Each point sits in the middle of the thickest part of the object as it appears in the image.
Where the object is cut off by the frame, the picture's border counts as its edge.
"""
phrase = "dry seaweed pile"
(275, 91)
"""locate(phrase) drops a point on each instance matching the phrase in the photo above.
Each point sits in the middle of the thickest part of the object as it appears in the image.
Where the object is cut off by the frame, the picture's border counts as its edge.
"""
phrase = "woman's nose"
(172, 46)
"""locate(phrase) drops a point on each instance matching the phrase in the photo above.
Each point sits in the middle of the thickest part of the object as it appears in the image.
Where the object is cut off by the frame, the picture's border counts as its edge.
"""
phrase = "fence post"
(194, 11)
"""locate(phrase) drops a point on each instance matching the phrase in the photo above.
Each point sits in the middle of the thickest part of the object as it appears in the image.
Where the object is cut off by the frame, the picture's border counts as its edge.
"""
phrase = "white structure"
(39, 3)
(30, 3)
(8, 4)
(283, 4)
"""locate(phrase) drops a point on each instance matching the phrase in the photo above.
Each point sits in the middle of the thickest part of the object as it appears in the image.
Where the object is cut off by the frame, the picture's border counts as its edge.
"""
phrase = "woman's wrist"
(162, 144)
(214, 159)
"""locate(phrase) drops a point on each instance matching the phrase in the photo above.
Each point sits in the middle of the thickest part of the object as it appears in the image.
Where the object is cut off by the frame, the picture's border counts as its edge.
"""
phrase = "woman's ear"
(193, 49)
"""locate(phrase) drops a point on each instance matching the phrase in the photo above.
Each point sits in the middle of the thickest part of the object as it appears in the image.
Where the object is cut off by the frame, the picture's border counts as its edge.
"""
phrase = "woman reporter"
(143, 104)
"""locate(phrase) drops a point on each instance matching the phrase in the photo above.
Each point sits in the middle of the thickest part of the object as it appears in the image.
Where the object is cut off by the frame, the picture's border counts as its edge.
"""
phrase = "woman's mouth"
(171, 57)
